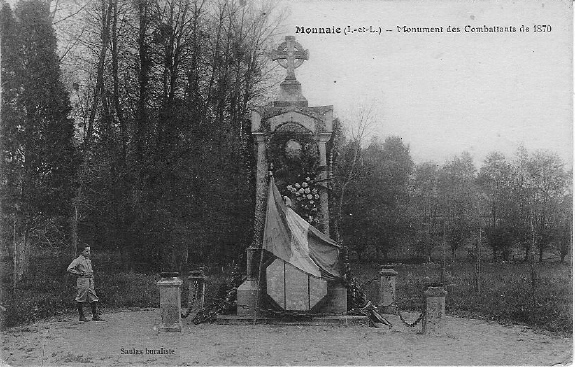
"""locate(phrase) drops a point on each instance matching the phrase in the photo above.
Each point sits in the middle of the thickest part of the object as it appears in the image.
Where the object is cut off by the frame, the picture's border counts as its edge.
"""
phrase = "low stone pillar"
(248, 291)
(170, 303)
(434, 319)
(387, 278)
(197, 292)
(247, 299)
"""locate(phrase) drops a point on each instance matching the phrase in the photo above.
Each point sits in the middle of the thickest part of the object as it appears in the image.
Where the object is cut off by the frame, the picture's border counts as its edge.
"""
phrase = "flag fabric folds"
(292, 239)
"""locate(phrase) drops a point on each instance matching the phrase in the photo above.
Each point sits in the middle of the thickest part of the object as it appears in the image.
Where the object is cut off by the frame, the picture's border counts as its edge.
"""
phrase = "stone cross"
(290, 55)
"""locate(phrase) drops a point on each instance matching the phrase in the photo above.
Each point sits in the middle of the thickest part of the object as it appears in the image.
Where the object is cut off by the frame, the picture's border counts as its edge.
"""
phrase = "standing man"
(82, 268)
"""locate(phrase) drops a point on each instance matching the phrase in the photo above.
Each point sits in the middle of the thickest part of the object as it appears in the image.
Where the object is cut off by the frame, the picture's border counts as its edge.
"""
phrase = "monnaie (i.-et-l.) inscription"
(408, 29)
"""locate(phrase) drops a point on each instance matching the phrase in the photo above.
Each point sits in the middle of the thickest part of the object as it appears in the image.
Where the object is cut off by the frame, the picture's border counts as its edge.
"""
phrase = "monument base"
(311, 321)
(336, 299)
(176, 328)
(247, 298)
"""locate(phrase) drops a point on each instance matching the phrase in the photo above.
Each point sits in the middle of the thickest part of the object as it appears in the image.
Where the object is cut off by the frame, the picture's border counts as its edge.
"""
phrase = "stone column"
(170, 304)
(251, 266)
(434, 319)
(248, 292)
(323, 195)
(387, 277)
(261, 186)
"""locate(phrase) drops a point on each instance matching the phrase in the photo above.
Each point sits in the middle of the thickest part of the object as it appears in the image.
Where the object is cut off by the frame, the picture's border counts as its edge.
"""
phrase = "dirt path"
(67, 342)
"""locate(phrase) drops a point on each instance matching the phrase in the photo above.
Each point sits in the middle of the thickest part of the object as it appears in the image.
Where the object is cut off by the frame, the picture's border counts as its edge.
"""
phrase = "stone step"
(311, 321)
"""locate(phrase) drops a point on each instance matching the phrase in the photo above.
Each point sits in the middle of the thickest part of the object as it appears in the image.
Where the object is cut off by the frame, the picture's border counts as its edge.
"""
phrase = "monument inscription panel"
(292, 289)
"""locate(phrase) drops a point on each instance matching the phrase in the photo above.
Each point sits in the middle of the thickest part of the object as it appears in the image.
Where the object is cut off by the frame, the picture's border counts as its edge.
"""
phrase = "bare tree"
(349, 160)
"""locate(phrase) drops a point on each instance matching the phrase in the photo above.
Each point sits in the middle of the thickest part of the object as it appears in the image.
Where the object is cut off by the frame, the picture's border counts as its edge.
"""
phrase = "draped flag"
(289, 237)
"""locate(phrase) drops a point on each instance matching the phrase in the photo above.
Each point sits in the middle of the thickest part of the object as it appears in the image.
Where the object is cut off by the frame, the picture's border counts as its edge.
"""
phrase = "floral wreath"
(306, 199)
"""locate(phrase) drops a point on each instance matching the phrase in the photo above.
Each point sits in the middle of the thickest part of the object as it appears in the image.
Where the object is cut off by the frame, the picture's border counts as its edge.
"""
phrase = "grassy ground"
(506, 293)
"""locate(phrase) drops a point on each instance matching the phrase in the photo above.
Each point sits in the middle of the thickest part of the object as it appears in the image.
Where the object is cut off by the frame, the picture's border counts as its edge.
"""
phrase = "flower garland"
(306, 200)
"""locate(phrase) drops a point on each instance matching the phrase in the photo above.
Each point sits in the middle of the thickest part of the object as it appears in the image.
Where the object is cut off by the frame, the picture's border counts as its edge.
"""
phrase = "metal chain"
(413, 324)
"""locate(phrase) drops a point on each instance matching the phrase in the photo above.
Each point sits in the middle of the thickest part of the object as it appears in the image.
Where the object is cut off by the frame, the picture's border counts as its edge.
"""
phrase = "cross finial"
(290, 55)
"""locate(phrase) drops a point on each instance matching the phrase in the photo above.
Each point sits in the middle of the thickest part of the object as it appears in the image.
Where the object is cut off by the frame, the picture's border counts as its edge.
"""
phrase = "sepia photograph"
(286, 182)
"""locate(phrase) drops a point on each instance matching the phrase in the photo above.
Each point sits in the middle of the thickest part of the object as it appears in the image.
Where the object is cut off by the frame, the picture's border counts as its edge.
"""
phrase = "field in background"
(506, 293)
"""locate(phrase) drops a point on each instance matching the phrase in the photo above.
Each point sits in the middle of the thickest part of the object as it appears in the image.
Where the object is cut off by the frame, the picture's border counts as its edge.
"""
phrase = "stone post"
(248, 292)
(170, 304)
(434, 319)
(323, 195)
(387, 278)
(197, 294)
(261, 185)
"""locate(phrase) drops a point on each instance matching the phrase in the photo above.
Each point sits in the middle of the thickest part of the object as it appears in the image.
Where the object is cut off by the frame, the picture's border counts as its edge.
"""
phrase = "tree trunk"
(541, 254)
(478, 264)
(21, 257)
(74, 224)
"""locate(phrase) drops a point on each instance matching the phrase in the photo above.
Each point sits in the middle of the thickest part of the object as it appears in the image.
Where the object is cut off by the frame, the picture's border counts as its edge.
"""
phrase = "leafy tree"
(544, 183)
(564, 238)
(458, 197)
(380, 195)
(39, 154)
(424, 206)
(500, 238)
(495, 179)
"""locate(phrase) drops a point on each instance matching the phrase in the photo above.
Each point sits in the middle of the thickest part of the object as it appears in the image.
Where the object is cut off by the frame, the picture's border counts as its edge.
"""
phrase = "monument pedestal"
(247, 299)
(336, 299)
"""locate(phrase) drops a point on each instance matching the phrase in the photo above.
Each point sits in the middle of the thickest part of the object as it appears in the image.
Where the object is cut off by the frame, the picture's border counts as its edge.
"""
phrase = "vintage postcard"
(286, 182)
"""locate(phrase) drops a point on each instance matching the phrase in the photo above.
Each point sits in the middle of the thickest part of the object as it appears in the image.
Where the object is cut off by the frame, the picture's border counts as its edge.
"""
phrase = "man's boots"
(95, 316)
(81, 312)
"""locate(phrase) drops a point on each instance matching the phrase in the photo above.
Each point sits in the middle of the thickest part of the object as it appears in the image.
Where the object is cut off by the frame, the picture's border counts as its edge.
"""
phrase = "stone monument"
(291, 137)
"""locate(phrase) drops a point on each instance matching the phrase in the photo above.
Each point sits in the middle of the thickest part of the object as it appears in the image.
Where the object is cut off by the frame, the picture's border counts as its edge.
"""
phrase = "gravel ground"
(126, 336)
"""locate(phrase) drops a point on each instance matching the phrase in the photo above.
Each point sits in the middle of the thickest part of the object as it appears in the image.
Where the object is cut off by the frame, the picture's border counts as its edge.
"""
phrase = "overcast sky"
(444, 93)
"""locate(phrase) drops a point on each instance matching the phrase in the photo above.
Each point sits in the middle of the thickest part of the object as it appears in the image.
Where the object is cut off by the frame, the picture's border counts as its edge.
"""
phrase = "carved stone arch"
(292, 117)
(292, 127)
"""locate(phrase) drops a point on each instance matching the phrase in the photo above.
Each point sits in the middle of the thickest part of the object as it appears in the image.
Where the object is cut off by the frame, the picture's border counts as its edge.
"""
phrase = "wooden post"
(442, 278)
(478, 264)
